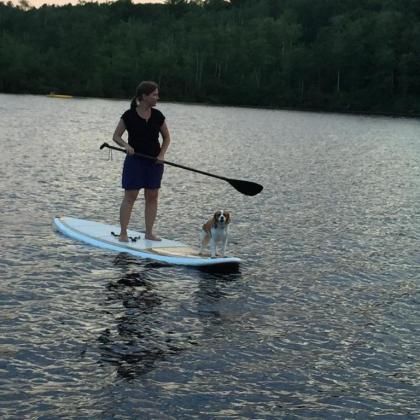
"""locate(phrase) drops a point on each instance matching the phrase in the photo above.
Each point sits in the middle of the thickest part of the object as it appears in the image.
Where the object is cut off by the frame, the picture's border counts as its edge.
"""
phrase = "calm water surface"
(322, 319)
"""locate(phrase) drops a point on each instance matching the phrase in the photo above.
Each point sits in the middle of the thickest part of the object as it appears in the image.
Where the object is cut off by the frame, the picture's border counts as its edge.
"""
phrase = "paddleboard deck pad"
(167, 251)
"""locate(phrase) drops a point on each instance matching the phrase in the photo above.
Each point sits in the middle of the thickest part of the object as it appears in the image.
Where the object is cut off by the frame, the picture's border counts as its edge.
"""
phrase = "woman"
(143, 123)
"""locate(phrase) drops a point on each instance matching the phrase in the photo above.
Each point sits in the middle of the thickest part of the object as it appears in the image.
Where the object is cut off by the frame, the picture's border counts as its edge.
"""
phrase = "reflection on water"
(135, 346)
(320, 320)
(138, 340)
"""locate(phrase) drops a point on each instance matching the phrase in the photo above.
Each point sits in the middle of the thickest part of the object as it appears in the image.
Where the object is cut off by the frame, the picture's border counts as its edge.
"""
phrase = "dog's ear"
(216, 216)
(227, 214)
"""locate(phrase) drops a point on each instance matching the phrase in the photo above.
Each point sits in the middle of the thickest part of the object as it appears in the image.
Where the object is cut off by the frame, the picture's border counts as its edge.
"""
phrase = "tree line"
(347, 55)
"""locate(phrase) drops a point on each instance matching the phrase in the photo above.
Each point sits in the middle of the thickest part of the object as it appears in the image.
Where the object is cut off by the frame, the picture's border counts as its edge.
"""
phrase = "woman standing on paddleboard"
(143, 123)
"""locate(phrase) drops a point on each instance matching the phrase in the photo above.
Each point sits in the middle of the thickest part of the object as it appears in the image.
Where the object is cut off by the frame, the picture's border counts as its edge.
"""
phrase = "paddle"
(244, 187)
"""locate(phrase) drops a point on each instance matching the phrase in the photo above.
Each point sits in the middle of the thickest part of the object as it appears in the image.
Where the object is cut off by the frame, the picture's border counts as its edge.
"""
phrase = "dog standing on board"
(215, 230)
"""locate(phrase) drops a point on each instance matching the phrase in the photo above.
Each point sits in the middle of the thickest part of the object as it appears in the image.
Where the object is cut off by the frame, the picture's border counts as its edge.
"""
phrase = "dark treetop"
(349, 55)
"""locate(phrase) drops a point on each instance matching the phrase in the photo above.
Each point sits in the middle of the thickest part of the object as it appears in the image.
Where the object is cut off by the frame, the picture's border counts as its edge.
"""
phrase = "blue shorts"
(141, 173)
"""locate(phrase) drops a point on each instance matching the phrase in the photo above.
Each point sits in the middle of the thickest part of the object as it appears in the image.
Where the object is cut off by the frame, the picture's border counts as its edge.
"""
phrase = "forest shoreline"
(313, 55)
(268, 108)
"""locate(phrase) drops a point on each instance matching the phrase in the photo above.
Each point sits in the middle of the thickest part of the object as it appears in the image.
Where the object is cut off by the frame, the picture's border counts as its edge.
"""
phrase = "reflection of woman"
(143, 123)
(138, 341)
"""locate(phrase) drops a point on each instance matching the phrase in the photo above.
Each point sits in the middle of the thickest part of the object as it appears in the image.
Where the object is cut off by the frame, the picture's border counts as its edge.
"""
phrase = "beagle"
(215, 230)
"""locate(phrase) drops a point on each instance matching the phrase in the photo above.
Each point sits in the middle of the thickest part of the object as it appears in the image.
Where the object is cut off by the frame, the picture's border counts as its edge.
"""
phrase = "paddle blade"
(246, 187)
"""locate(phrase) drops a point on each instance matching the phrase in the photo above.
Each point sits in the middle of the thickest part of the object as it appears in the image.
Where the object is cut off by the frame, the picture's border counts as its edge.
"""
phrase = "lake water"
(321, 320)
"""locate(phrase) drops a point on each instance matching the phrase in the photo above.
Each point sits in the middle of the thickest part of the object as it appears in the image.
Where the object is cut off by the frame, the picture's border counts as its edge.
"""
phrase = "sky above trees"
(38, 3)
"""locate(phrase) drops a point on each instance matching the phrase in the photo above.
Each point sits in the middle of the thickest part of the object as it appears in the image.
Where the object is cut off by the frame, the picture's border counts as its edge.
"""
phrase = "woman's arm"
(117, 137)
(166, 140)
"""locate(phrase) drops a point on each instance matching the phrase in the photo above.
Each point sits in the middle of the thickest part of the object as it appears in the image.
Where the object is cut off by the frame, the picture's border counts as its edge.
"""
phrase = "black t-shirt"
(143, 135)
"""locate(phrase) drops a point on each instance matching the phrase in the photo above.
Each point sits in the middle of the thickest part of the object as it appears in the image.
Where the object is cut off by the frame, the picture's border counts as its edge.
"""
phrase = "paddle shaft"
(244, 187)
(177, 165)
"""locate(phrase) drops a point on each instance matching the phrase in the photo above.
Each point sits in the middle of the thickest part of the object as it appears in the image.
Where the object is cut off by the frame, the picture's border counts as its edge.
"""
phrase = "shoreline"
(68, 96)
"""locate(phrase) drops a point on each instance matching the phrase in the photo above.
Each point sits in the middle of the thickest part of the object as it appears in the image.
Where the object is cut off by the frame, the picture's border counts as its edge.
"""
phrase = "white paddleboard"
(167, 251)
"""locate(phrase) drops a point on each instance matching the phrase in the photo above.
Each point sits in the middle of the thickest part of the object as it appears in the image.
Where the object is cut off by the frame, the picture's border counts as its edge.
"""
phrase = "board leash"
(132, 238)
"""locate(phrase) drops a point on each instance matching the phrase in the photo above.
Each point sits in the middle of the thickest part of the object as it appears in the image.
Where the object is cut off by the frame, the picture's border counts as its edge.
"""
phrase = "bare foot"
(152, 237)
(123, 237)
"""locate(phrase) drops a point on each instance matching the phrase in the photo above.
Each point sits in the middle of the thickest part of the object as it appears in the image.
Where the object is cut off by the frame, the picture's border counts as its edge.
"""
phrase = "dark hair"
(144, 88)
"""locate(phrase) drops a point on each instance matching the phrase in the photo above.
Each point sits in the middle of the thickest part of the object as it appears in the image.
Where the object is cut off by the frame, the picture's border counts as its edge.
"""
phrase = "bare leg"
(126, 208)
(150, 212)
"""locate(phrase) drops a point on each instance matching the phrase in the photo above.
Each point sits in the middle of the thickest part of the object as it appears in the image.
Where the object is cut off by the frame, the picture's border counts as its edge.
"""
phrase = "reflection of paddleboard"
(168, 251)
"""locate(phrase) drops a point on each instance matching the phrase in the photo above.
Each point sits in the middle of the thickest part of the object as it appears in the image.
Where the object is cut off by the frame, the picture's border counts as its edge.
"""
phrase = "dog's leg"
(204, 240)
(201, 244)
(213, 247)
(224, 243)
